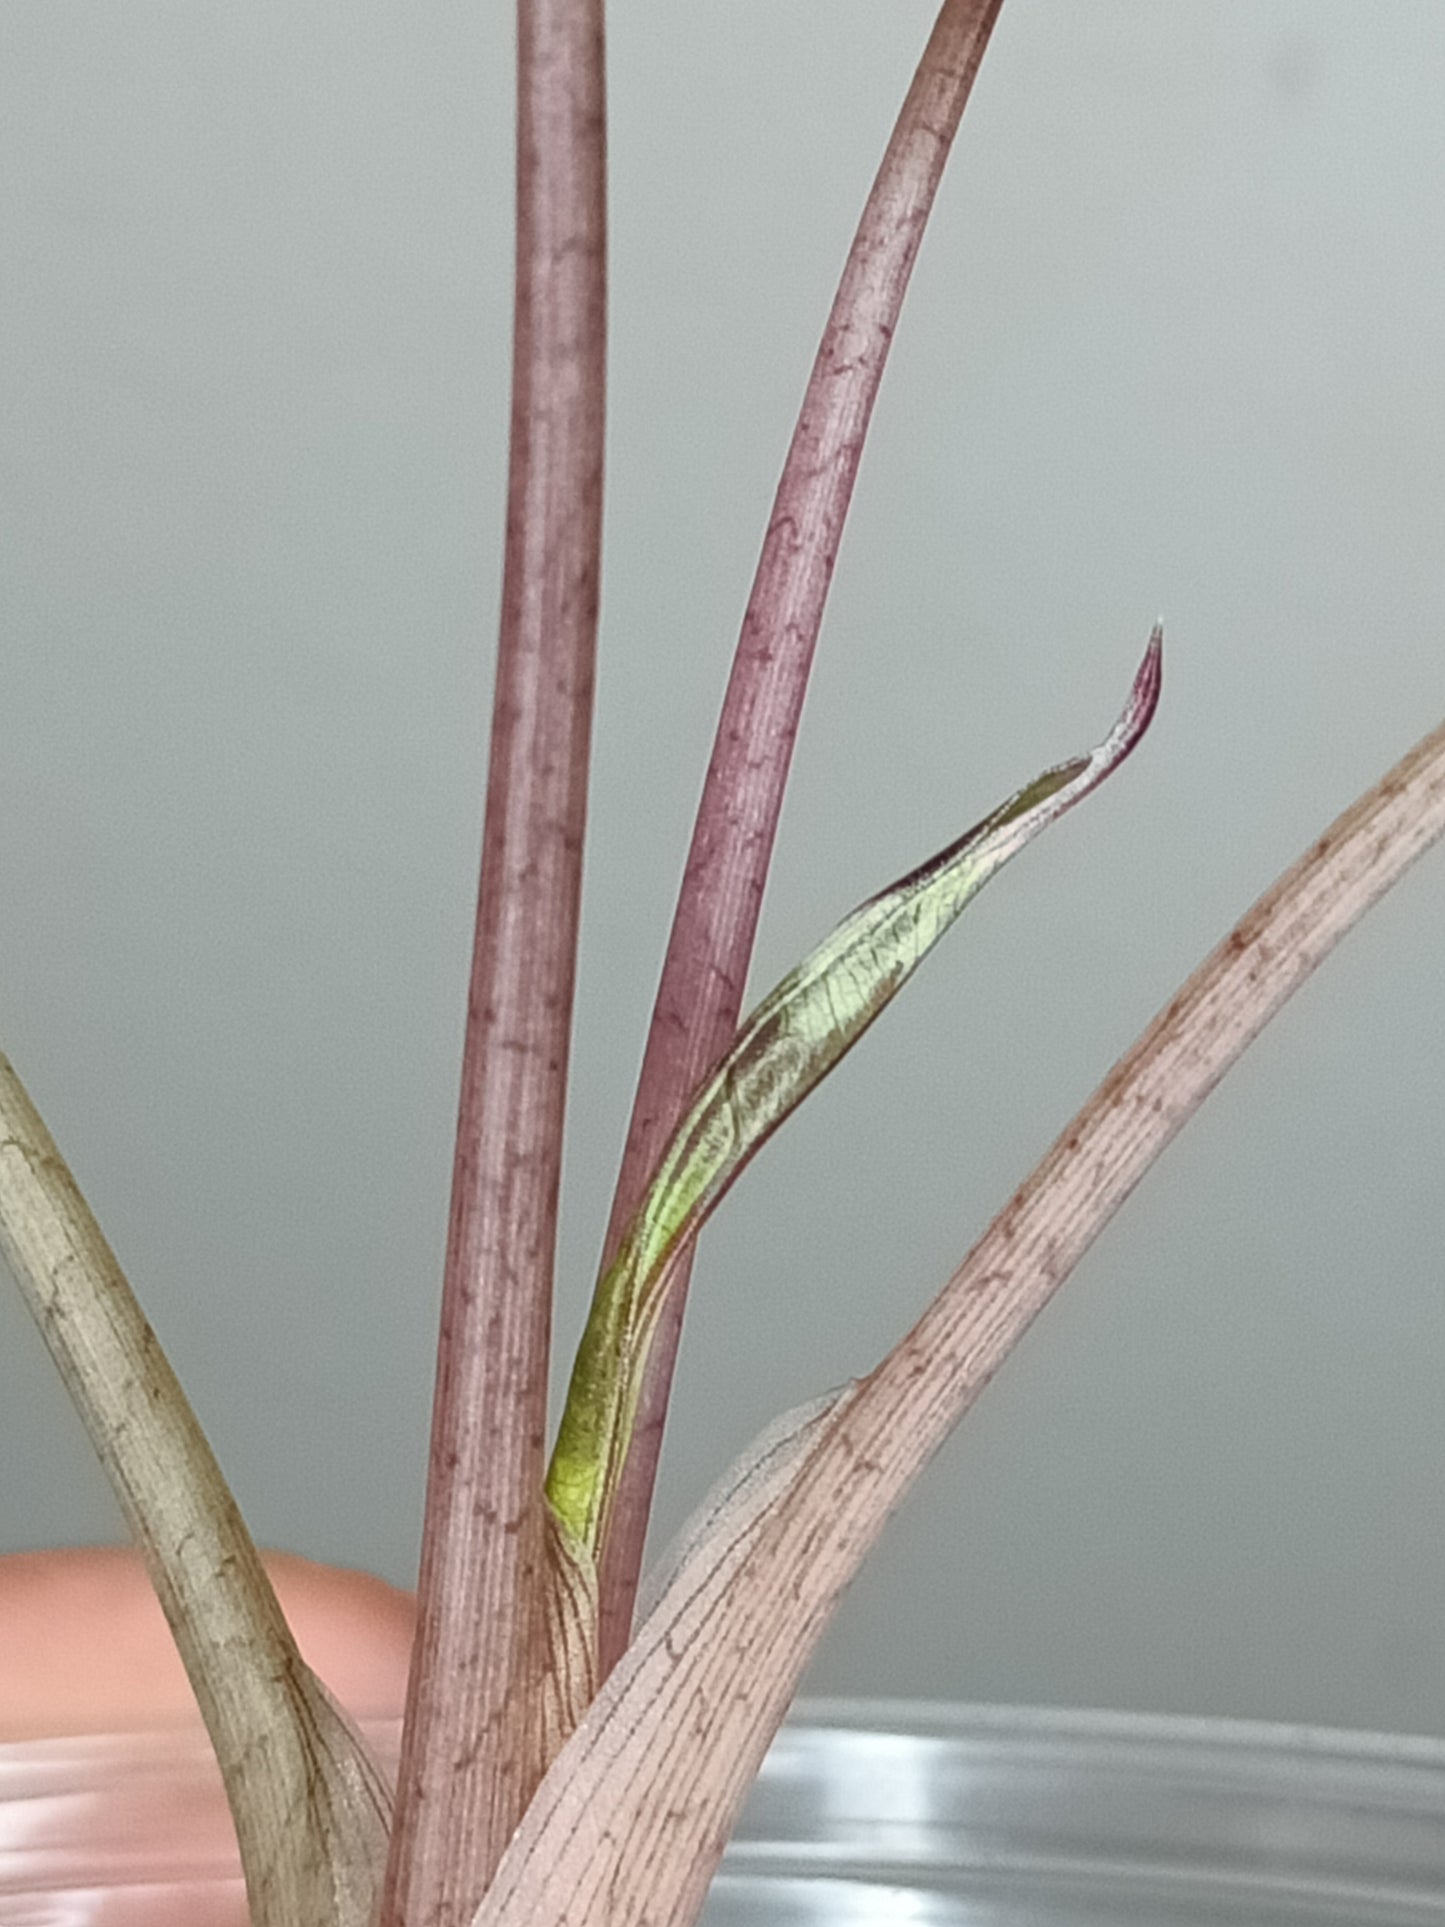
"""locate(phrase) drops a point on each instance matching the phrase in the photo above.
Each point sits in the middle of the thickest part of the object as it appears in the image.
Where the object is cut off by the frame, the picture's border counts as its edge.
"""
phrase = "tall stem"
(705, 970)
(473, 1748)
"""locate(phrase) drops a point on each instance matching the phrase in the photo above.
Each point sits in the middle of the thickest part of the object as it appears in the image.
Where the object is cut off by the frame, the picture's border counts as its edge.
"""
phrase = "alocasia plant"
(557, 1766)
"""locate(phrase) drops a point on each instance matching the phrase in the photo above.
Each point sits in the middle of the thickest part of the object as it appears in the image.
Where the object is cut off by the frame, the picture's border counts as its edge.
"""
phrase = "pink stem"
(471, 1754)
(705, 970)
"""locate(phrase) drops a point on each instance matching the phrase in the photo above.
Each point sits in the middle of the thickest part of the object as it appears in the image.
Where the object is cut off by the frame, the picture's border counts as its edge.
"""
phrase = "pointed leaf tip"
(1144, 696)
(1138, 711)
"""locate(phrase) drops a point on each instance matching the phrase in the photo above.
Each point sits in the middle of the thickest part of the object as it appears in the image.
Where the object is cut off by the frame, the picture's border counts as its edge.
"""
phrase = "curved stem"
(705, 970)
(309, 1806)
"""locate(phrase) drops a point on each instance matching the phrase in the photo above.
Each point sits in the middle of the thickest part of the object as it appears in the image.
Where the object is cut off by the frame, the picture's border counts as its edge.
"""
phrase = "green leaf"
(788, 1045)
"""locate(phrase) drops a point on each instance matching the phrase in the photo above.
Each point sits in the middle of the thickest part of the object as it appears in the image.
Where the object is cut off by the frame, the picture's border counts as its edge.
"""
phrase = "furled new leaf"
(791, 1041)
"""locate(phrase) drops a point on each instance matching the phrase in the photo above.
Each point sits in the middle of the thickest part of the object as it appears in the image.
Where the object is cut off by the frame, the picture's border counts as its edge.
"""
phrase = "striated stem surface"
(309, 1806)
(476, 1736)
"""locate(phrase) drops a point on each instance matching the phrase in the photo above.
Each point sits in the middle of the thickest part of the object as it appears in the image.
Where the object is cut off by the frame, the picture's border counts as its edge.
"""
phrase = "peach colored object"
(111, 1808)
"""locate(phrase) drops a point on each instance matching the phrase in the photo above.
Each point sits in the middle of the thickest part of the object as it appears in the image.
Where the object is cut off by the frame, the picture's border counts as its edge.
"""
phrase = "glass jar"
(963, 1816)
(865, 1812)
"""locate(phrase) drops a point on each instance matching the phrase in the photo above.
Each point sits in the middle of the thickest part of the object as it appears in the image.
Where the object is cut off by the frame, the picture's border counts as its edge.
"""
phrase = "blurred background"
(1174, 344)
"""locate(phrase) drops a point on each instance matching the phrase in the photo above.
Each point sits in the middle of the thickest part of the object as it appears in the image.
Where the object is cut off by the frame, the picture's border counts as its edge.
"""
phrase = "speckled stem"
(476, 1735)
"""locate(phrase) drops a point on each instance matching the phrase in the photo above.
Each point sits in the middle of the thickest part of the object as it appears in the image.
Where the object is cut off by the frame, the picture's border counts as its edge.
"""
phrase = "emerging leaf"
(789, 1044)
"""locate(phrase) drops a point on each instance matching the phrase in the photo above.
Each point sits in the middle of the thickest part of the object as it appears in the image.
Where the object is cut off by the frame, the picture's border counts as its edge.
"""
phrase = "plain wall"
(1174, 343)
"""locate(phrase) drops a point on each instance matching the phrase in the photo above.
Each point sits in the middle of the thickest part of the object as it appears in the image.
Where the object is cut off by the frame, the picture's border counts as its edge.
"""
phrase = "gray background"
(1174, 343)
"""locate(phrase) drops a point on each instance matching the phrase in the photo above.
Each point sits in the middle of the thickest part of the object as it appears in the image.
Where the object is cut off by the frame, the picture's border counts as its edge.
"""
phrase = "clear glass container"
(1000, 1817)
(865, 1812)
